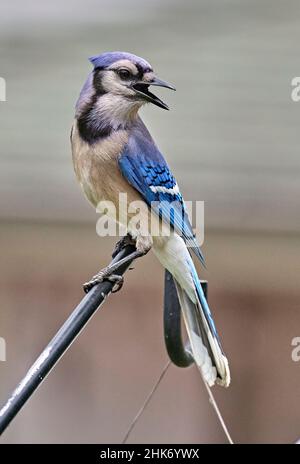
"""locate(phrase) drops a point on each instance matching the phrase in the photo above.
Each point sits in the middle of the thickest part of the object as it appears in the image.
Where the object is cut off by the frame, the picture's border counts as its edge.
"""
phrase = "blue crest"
(107, 59)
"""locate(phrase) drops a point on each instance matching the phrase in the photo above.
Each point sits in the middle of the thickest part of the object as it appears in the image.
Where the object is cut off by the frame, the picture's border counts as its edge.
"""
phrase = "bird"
(113, 153)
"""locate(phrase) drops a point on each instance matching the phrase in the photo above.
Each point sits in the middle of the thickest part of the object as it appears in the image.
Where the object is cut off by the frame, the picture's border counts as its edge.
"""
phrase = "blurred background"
(231, 138)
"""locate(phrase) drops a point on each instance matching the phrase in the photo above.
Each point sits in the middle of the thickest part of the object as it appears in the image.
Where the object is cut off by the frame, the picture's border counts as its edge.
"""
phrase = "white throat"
(114, 111)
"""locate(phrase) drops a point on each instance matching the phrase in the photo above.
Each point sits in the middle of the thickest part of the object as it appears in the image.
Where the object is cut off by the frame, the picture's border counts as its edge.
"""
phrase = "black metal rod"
(59, 344)
(178, 351)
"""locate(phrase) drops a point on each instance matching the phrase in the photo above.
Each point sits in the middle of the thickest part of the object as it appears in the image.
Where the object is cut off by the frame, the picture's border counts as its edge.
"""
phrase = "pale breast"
(97, 170)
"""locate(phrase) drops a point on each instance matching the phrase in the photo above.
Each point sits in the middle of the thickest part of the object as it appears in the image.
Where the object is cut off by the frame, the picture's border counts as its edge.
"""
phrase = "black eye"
(124, 73)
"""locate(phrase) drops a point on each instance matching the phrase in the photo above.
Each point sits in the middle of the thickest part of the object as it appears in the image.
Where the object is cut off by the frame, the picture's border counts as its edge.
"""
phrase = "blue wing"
(144, 167)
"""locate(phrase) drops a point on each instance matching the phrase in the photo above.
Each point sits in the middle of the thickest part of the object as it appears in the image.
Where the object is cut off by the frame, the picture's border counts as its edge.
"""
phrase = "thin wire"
(218, 413)
(146, 402)
(153, 390)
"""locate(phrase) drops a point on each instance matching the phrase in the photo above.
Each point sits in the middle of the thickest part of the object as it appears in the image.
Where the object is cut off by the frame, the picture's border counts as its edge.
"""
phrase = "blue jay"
(113, 152)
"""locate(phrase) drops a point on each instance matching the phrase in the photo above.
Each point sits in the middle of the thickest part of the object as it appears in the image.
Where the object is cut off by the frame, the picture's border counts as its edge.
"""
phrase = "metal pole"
(179, 352)
(59, 344)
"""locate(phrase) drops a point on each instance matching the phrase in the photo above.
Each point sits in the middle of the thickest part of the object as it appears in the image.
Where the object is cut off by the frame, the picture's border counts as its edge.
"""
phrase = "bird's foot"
(122, 243)
(143, 245)
(101, 276)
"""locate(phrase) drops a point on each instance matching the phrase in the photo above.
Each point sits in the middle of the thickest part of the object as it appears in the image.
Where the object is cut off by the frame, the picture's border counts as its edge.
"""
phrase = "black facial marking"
(97, 82)
(88, 131)
(140, 71)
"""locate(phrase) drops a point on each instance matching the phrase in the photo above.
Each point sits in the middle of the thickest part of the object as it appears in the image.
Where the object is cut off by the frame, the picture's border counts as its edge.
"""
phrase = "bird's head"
(118, 86)
(128, 76)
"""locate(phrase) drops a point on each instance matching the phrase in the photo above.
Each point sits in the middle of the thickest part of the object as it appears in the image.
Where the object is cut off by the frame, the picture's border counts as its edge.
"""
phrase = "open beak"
(142, 89)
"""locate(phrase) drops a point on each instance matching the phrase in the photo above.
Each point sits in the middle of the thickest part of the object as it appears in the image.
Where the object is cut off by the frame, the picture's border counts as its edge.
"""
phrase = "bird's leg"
(122, 243)
(108, 273)
(105, 274)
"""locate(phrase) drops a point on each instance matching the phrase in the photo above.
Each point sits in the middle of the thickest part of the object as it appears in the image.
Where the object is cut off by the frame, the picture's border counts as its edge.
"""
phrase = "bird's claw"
(108, 272)
(118, 280)
(122, 243)
(103, 275)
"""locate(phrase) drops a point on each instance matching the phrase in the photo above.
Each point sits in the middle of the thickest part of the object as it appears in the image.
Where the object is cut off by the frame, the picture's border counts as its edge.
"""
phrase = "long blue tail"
(204, 339)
